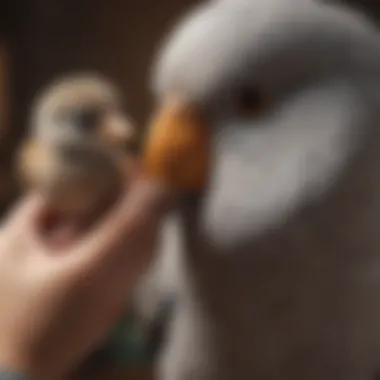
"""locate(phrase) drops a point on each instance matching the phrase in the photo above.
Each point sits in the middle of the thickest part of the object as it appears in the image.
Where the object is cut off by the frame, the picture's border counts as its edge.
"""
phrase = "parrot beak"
(118, 130)
(177, 150)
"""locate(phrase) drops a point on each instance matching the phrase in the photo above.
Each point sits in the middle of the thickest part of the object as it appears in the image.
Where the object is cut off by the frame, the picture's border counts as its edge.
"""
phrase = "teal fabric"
(9, 375)
(126, 347)
(127, 344)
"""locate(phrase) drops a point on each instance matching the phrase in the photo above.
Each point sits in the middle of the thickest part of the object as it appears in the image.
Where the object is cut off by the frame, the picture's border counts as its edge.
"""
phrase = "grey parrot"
(279, 269)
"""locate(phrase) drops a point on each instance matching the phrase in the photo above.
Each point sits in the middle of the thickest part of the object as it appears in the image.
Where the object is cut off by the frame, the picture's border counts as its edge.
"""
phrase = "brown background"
(117, 37)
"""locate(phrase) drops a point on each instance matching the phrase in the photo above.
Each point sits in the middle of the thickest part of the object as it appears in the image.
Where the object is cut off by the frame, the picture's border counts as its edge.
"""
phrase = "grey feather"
(282, 277)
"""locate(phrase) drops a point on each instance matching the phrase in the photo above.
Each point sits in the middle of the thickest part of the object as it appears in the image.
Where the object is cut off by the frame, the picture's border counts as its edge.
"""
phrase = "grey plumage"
(281, 275)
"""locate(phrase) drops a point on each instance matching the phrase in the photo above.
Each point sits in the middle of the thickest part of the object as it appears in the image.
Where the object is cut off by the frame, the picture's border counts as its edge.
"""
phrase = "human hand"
(57, 303)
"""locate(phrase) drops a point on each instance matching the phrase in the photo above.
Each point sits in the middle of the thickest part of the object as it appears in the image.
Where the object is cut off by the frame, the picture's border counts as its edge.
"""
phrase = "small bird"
(76, 151)
(280, 249)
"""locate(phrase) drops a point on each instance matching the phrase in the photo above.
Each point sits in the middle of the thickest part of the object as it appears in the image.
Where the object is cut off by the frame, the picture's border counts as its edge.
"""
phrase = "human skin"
(60, 299)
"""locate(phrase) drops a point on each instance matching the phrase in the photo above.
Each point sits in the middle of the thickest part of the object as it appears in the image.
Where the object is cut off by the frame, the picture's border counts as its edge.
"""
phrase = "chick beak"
(118, 130)
(177, 150)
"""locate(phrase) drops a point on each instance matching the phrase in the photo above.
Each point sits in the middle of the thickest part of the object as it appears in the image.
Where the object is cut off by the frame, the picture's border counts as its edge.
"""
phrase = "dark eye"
(250, 102)
(86, 119)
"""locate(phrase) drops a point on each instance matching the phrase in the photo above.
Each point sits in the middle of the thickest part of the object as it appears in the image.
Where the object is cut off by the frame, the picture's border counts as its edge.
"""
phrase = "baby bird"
(75, 153)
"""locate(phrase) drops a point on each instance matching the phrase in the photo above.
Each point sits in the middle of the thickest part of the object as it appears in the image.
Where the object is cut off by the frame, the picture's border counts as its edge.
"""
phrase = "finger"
(131, 221)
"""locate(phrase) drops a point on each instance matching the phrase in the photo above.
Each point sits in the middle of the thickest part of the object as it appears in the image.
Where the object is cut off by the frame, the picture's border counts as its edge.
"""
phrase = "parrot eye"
(250, 102)
(86, 119)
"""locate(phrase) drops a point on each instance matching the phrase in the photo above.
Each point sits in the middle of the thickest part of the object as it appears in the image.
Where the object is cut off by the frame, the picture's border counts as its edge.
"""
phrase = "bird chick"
(76, 150)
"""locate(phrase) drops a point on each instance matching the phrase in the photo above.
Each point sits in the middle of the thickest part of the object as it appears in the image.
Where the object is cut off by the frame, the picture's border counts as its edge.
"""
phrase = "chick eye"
(250, 102)
(86, 119)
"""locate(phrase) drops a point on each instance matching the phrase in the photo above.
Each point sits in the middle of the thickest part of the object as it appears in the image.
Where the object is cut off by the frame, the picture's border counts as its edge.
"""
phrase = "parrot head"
(261, 105)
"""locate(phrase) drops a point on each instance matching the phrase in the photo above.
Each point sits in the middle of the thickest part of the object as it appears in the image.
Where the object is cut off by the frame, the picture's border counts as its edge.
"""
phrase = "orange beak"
(177, 152)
